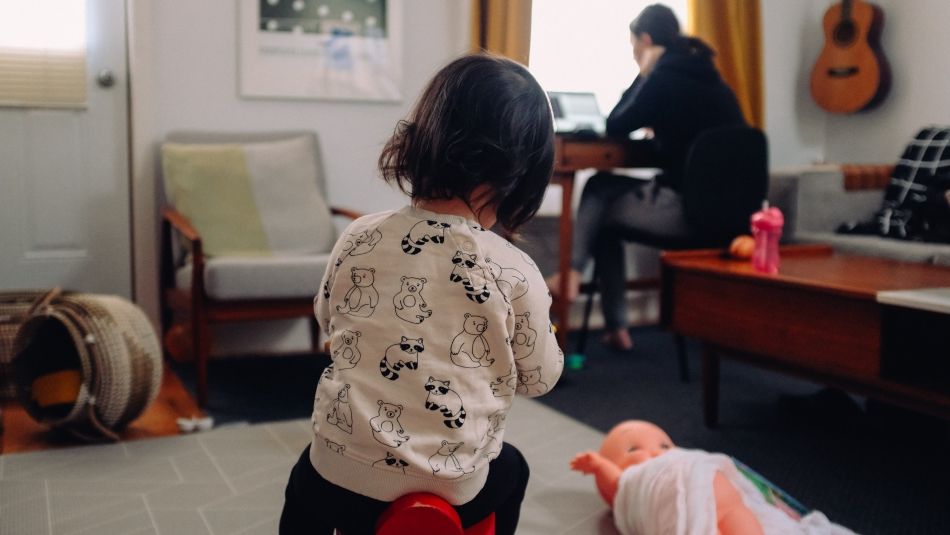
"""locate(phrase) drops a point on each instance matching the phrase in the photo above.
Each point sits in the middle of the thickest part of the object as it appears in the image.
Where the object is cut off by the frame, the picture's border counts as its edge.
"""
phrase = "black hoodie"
(683, 96)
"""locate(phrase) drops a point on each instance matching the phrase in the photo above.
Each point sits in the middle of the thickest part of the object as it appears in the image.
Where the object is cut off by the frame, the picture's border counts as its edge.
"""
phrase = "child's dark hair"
(482, 120)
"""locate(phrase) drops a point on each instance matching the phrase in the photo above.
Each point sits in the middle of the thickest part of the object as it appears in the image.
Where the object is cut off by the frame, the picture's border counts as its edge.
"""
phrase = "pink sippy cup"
(767, 226)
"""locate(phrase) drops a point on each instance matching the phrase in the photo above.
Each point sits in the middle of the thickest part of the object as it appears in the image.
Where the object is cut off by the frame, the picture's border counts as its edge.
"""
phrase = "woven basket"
(14, 307)
(105, 341)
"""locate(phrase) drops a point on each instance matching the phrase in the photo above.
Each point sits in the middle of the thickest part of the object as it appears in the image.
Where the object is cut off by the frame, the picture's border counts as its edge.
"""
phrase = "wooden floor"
(19, 433)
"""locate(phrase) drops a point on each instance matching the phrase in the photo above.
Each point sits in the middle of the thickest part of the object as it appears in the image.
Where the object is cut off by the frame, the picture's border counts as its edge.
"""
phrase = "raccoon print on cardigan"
(427, 315)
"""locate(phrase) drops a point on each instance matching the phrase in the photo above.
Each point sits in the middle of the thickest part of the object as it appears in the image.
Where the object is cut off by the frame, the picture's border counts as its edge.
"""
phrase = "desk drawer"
(810, 330)
(600, 155)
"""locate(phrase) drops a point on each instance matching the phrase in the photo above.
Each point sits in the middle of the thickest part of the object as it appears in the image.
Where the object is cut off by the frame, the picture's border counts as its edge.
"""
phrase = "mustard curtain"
(502, 27)
(733, 29)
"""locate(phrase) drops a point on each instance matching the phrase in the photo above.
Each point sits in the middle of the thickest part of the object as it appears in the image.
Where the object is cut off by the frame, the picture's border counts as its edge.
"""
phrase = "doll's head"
(633, 442)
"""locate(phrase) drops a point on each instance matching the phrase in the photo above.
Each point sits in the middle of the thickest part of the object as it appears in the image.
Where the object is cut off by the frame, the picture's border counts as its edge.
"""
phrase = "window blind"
(43, 53)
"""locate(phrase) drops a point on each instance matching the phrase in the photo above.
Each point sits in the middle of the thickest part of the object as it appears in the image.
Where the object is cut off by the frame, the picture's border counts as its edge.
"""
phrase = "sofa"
(815, 202)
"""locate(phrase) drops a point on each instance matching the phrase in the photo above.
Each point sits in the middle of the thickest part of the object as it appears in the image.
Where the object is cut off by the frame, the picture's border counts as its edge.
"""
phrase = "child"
(435, 322)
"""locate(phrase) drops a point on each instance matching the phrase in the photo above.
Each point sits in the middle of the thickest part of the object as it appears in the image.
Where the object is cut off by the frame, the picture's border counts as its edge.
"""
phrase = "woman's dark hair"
(482, 120)
(661, 24)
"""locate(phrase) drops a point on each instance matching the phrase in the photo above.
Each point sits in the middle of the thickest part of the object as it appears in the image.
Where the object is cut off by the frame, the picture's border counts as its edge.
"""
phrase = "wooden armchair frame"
(203, 311)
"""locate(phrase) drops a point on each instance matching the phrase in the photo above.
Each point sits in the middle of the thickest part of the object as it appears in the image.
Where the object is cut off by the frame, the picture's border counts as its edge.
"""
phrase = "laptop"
(577, 114)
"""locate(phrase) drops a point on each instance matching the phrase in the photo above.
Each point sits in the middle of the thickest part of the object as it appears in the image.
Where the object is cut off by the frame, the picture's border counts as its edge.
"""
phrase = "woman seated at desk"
(677, 94)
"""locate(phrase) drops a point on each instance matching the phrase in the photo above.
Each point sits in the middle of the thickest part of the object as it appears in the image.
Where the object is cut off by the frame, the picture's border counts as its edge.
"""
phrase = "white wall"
(916, 43)
(791, 41)
(184, 76)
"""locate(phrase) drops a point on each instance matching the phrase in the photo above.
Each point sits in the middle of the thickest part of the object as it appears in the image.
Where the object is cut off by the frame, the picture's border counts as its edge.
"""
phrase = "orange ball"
(742, 246)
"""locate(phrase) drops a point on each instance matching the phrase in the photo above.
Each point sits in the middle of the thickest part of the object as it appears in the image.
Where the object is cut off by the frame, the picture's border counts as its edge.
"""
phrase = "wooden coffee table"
(818, 318)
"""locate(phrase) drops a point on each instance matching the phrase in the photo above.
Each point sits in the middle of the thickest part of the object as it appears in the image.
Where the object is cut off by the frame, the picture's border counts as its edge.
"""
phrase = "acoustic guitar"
(851, 73)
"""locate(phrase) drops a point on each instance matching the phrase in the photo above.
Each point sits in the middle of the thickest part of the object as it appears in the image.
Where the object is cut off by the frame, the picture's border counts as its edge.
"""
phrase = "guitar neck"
(846, 6)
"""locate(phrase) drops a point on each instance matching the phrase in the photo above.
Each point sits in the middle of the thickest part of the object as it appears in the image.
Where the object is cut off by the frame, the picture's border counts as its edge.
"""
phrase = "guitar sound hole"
(844, 33)
(842, 72)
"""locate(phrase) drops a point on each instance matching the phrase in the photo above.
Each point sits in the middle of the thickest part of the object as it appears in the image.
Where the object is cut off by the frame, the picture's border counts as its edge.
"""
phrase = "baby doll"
(635, 442)
(654, 487)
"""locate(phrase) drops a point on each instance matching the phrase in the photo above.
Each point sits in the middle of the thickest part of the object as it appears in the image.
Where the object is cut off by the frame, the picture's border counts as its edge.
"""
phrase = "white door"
(64, 173)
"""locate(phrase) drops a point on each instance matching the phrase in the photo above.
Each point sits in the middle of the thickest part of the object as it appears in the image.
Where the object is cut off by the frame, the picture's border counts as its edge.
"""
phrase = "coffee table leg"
(683, 357)
(710, 385)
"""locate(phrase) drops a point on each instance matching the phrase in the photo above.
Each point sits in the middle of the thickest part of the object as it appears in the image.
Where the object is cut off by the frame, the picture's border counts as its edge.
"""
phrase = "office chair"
(725, 180)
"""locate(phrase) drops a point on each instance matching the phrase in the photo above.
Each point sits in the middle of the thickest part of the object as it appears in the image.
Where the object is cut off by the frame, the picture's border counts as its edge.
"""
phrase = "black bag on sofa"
(904, 213)
(936, 211)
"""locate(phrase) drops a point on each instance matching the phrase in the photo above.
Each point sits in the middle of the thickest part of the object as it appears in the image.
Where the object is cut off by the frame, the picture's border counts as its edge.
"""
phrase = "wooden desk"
(571, 156)
(818, 318)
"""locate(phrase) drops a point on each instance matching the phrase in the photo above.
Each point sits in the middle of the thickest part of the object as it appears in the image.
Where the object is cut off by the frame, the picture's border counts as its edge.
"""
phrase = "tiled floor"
(231, 480)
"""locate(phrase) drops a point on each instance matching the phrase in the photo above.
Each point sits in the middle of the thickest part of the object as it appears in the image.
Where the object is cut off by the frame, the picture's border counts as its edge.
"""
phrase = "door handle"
(105, 78)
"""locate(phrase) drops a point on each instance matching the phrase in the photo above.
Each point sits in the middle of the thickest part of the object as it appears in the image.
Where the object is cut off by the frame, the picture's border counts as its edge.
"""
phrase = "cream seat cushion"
(259, 277)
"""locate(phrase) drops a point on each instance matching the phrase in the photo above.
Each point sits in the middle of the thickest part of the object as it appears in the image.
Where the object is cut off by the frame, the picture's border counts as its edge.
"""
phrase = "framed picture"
(321, 49)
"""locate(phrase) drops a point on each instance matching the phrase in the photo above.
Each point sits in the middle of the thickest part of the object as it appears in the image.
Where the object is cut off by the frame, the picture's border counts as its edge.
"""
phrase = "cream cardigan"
(434, 324)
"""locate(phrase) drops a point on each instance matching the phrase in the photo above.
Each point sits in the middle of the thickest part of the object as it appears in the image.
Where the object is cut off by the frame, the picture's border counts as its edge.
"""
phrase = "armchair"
(246, 235)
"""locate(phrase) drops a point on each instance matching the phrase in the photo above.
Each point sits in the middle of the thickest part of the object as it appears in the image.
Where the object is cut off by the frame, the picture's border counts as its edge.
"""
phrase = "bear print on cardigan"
(470, 347)
(362, 297)
(409, 303)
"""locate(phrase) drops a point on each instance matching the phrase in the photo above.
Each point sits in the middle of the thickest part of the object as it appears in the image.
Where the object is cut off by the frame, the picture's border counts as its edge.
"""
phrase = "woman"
(677, 94)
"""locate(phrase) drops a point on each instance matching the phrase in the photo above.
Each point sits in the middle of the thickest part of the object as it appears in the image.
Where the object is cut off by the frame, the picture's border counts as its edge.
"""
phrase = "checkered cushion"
(927, 156)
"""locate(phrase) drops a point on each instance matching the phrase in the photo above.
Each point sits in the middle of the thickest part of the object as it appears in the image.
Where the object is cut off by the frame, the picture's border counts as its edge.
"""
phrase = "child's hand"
(586, 462)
